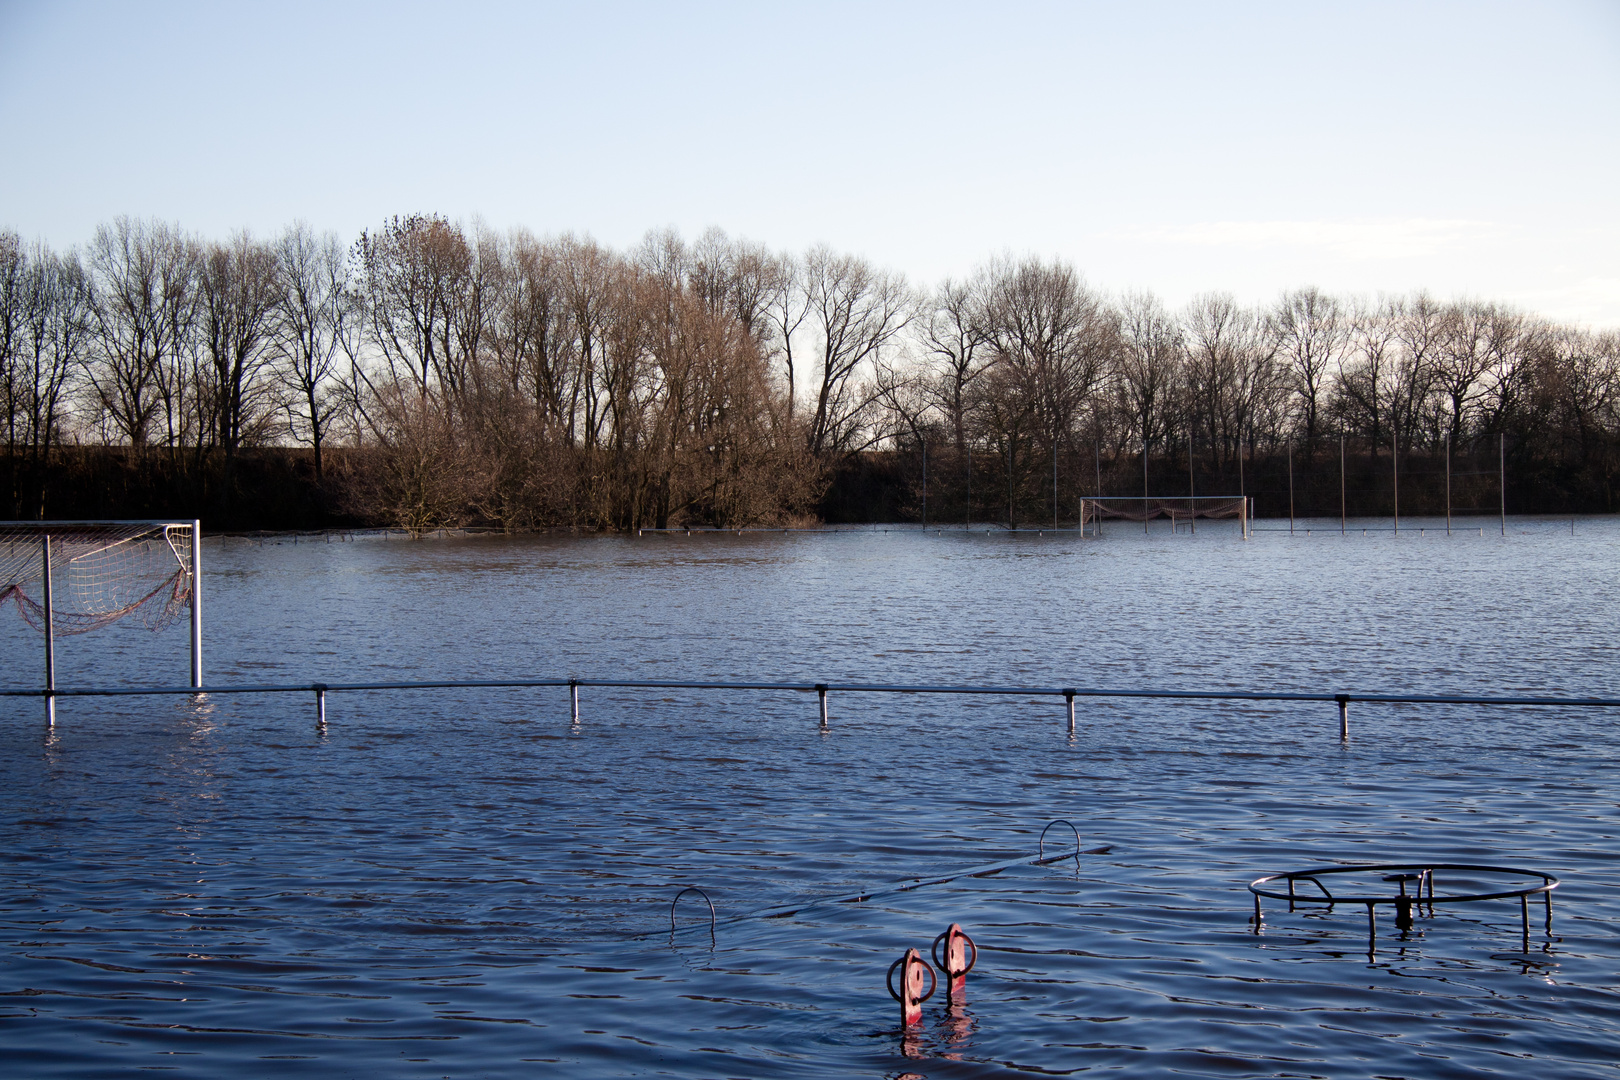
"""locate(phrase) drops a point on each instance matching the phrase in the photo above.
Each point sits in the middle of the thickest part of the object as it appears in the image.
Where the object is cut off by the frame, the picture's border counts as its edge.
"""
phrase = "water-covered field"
(449, 883)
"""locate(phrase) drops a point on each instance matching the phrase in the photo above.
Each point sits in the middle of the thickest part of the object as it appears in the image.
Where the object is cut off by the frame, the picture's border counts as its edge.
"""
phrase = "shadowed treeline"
(430, 374)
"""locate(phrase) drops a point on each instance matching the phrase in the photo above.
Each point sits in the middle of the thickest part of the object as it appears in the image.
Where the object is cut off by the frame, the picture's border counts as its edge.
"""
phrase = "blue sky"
(1466, 148)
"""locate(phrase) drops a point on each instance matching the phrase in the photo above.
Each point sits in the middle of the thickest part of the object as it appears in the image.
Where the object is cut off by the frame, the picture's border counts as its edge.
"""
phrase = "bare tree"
(1369, 372)
(240, 295)
(145, 280)
(44, 323)
(956, 344)
(316, 329)
(16, 298)
(417, 273)
(1311, 333)
(787, 306)
(1232, 382)
(1468, 348)
(1149, 368)
(856, 313)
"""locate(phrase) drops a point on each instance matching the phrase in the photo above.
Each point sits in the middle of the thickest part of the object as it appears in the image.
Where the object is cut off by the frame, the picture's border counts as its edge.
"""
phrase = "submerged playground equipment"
(1409, 888)
(1481, 883)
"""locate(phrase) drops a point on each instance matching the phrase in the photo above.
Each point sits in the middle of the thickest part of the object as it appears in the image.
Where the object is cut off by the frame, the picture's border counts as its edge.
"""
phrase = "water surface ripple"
(457, 883)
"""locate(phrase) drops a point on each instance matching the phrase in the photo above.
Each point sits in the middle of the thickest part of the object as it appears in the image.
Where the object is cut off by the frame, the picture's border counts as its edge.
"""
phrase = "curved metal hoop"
(1072, 829)
(888, 981)
(700, 892)
(945, 967)
(1548, 883)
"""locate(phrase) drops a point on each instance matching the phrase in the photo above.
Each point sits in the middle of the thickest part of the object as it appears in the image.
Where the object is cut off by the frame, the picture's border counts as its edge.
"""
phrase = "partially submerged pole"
(1012, 517)
(1395, 472)
(196, 603)
(821, 692)
(1068, 696)
(1097, 447)
(1501, 476)
(925, 483)
(1192, 493)
(1241, 494)
(50, 638)
(573, 700)
(1344, 718)
(1289, 448)
(1448, 483)
(1144, 487)
(1341, 485)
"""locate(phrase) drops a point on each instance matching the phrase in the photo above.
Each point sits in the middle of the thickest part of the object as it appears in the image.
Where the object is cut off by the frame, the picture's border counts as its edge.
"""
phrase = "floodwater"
(455, 883)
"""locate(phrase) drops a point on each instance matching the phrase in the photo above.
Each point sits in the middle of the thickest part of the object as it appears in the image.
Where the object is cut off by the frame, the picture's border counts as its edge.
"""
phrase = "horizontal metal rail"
(1339, 697)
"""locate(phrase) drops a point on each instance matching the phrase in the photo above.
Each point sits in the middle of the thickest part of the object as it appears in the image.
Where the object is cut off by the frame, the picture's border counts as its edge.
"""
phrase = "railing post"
(1344, 717)
(821, 692)
(50, 639)
(573, 700)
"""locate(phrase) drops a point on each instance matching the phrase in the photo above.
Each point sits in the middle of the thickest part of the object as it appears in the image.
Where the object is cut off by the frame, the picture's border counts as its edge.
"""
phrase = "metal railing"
(1342, 699)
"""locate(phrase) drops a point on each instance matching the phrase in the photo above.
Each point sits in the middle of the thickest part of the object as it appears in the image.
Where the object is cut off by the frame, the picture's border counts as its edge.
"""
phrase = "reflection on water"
(458, 883)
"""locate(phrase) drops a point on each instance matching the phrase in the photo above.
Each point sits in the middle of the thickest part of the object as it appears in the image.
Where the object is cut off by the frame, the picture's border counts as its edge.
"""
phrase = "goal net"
(100, 572)
(1184, 508)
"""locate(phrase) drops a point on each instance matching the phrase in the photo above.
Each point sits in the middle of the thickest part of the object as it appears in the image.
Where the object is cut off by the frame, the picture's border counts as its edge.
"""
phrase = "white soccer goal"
(1186, 508)
(70, 577)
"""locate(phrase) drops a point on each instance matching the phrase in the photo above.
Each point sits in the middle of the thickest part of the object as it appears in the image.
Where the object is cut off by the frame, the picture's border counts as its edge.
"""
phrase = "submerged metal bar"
(1344, 718)
(784, 911)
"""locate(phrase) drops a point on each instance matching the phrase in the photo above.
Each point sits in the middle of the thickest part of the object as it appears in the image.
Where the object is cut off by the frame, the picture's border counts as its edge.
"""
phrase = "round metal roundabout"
(1484, 883)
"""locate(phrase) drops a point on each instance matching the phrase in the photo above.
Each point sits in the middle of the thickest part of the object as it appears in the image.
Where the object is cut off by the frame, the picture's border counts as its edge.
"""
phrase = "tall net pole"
(925, 481)
(1288, 447)
(1012, 518)
(1097, 449)
(1501, 475)
(1395, 472)
(1241, 490)
(1192, 527)
(196, 603)
(1341, 485)
(1054, 482)
(1448, 483)
(50, 636)
(1144, 485)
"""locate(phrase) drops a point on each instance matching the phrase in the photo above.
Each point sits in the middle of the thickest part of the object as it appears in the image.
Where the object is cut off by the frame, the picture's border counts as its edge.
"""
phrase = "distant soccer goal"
(1184, 509)
(70, 577)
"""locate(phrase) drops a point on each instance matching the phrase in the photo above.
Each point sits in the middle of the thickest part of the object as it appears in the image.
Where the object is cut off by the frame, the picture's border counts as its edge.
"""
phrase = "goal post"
(1186, 508)
(71, 577)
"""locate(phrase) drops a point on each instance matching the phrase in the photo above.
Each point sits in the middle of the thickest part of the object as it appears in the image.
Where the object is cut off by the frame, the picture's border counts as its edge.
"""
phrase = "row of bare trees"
(513, 380)
(1026, 365)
